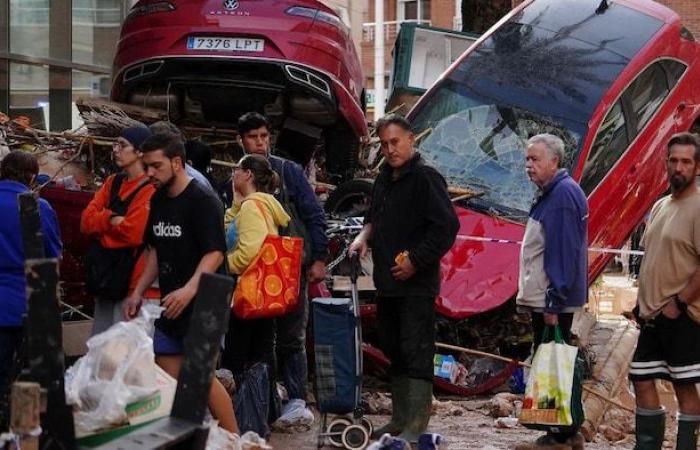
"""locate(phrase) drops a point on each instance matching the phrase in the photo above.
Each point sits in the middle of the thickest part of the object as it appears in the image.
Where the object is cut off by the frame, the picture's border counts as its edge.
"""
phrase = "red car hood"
(478, 276)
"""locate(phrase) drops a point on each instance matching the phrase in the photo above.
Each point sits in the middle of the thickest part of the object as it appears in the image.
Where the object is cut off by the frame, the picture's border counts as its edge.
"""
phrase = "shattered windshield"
(480, 145)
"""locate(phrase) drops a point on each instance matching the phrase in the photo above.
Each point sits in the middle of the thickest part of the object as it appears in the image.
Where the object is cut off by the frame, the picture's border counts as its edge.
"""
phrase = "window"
(29, 93)
(96, 25)
(29, 27)
(674, 70)
(628, 117)
(646, 94)
(414, 10)
(610, 143)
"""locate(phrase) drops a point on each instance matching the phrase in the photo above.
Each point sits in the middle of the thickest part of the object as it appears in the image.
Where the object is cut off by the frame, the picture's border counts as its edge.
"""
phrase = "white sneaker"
(296, 412)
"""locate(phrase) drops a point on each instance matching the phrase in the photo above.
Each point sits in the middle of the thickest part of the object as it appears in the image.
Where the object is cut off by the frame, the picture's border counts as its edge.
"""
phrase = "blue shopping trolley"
(338, 355)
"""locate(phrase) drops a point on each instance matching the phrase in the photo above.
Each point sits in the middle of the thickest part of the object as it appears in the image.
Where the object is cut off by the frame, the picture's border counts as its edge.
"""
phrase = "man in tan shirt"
(669, 304)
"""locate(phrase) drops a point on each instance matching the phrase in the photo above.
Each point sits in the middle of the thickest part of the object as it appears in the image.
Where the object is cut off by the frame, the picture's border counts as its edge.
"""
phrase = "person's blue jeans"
(10, 340)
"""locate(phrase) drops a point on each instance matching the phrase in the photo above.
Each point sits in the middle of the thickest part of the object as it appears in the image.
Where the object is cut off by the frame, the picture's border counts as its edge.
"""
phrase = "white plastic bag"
(119, 368)
(220, 439)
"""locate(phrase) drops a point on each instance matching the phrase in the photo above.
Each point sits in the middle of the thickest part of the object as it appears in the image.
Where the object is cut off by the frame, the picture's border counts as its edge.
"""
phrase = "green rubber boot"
(650, 427)
(399, 397)
(687, 436)
(418, 407)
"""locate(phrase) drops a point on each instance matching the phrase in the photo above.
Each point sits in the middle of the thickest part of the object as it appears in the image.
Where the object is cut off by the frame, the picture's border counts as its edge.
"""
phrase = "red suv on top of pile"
(614, 79)
(208, 61)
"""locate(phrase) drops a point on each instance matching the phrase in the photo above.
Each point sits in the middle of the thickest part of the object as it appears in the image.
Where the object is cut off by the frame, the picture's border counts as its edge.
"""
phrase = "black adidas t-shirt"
(182, 230)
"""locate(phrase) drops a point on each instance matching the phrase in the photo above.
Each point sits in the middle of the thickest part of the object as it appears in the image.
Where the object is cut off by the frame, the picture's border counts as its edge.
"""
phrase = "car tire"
(350, 198)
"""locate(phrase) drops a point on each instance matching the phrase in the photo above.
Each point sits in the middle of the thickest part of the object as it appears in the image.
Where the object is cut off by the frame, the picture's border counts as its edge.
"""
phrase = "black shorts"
(668, 349)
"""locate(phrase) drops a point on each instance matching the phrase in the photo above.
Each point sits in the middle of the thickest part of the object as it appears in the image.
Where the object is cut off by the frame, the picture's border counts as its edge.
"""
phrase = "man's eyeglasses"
(118, 146)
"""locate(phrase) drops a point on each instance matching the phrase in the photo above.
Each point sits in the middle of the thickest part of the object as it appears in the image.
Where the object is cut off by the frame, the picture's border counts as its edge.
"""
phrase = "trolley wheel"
(336, 428)
(368, 425)
(355, 437)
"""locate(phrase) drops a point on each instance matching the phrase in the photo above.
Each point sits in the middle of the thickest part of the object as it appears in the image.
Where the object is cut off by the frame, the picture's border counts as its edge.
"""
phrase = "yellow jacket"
(252, 227)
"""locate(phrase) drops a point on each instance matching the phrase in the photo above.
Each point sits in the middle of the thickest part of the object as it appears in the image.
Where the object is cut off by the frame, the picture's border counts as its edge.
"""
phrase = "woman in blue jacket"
(18, 170)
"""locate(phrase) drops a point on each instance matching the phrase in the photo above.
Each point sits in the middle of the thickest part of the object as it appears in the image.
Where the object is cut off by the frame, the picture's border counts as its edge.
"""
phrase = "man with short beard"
(668, 303)
(184, 238)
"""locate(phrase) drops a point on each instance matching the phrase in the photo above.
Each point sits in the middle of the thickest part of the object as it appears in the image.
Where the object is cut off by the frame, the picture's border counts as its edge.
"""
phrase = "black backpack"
(108, 270)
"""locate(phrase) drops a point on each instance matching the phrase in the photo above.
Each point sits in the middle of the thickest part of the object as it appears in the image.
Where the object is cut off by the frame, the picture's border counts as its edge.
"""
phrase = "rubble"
(503, 404)
(377, 403)
(446, 408)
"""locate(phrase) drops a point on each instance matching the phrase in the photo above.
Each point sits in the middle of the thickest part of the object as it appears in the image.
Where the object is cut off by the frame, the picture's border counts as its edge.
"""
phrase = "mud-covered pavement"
(473, 428)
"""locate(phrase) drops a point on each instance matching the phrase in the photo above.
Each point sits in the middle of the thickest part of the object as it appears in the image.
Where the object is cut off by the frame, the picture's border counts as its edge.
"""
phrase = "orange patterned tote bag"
(269, 287)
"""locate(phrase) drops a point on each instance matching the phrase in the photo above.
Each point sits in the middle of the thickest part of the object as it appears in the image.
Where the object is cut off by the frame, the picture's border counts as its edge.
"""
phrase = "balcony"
(391, 29)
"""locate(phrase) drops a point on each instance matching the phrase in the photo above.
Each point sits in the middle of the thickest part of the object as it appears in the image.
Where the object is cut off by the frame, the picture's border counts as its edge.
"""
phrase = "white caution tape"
(590, 249)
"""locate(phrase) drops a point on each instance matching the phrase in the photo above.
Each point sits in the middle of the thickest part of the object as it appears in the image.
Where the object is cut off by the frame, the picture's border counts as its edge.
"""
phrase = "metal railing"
(391, 29)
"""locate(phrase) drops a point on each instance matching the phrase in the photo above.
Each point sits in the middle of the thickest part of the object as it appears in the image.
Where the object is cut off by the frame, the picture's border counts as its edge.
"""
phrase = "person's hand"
(116, 220)
(671, 311)
(132, 305)
(359, 246)
(317, 272)
(403, 270)
(176, 302)
(551, 319)
(237, 196)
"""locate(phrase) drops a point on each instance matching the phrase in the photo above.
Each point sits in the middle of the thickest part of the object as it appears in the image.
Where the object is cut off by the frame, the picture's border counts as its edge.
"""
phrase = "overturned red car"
(613, 79)
(207, 62)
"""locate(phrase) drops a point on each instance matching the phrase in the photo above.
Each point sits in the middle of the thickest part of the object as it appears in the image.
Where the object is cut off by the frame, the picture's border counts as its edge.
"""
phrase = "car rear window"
(558, 57)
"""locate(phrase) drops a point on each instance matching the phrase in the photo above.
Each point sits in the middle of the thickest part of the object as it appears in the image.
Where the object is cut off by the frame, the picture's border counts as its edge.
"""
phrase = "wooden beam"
(25, 411)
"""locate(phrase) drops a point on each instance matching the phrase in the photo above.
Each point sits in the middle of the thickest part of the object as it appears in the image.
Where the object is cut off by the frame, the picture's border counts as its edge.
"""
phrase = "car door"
(624, 171)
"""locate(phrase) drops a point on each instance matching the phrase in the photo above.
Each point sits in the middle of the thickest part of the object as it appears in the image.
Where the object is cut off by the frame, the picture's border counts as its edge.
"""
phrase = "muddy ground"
(468, 424)
(473, 429)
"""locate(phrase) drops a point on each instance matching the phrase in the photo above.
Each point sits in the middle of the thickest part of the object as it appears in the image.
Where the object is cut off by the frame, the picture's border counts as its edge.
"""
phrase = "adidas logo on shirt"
(162, 230)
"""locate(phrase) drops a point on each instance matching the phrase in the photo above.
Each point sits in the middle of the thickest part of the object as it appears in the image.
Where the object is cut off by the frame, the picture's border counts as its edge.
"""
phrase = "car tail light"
(150, 8)
(312, 13)
(302, 12)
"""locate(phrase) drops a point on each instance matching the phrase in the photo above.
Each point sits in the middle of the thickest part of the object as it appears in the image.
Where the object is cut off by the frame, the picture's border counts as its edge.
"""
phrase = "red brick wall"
(689, 10)
(442, 13)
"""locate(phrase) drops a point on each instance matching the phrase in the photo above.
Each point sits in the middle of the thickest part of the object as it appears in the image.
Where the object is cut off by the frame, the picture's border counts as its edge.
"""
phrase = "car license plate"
(225, 44)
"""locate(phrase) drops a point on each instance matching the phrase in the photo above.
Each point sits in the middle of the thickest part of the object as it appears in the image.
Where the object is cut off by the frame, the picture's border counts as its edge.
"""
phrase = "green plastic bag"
(553, 392)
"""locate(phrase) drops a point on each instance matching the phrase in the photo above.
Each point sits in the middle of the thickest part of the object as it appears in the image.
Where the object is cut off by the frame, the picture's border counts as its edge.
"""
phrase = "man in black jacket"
(410, 225)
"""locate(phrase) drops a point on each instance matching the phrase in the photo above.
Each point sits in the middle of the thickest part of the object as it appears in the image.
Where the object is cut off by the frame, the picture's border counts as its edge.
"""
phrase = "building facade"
(53, 52)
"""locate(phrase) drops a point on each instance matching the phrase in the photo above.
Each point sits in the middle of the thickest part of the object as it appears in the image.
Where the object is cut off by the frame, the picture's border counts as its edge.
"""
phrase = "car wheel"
(350, 199)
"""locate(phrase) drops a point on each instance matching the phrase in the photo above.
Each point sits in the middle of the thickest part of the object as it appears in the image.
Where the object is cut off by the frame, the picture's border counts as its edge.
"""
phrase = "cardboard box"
(75, 335)
(445, 366)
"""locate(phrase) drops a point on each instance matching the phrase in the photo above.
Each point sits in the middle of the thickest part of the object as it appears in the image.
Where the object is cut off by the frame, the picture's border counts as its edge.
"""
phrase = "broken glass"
(481, 147)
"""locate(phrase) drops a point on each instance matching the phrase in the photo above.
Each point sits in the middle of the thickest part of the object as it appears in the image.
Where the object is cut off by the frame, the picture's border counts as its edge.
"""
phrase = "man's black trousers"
(406, 330)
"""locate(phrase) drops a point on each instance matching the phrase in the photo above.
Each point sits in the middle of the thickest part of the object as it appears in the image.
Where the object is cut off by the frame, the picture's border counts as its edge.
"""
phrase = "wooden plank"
(166, 433)
(202, 343)
(43, 345)
(26, 407)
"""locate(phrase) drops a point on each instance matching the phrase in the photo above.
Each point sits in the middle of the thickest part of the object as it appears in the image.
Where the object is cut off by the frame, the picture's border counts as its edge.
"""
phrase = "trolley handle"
(355, 267)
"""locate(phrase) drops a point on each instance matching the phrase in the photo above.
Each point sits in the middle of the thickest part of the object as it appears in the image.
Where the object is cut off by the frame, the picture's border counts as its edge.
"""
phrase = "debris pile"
(377, 403)
(504, 404)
